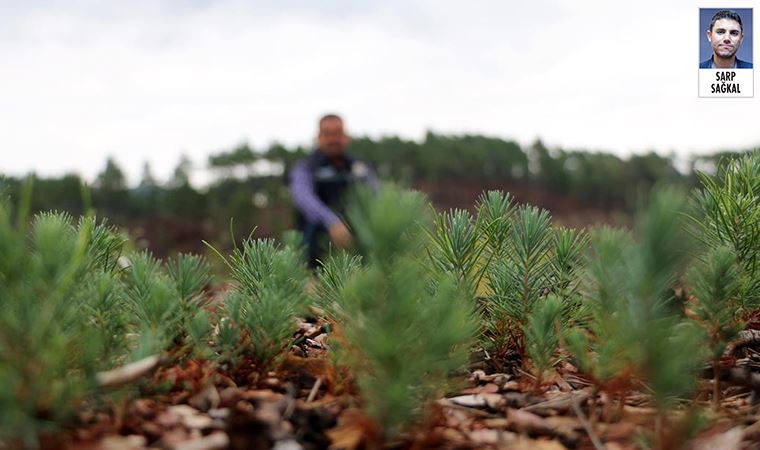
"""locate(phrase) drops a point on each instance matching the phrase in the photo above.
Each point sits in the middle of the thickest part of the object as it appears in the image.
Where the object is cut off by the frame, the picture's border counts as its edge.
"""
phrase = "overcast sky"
(150, 79)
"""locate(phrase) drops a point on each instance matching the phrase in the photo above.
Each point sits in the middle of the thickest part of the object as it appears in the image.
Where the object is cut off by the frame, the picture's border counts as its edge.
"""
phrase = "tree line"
(250, 186)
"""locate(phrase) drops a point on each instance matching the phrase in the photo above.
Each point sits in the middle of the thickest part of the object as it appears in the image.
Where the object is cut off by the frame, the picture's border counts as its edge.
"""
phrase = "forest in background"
(579, 187)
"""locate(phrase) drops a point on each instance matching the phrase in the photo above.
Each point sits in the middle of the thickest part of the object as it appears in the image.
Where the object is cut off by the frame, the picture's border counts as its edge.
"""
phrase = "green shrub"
(637, 327)
(60, 318)
(405, 329)
(525, 261)
(164, 300)
(726, 285)
(567, 262)
(153, 302)
(542, 336)
(332, 275)
(269, 292)
(597, 348)
(68, 310)
(728, 214)
(520, 281)
(495, 210)
(716, 286)
(190, 274)
(457, 249)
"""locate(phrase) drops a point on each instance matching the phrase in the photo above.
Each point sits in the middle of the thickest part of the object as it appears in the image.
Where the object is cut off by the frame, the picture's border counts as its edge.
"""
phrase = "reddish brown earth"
(306, 404)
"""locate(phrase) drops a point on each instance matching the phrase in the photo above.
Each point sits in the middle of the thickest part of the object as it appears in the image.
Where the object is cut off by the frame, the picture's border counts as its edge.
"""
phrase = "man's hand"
(339, 235)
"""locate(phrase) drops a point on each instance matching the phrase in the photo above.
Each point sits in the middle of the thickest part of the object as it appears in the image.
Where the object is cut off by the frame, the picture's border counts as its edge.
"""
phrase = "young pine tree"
(259, 313)
(405, 330)
(637, 324)
(597, 347)
(716, 286)
(520, 281)
(457, 248)
(468, 249)
(164, 301)
(727, 285)
(542, 336)
(60, 319)
(332, 275)
(568, 260)
(728, 214)
(495, 210)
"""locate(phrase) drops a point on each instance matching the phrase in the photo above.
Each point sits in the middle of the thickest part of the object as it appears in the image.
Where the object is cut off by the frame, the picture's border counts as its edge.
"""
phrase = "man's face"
(332, 139)
(725, 37)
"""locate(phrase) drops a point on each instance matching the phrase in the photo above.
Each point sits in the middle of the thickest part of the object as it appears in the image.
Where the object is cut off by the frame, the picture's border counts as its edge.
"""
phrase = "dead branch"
(128, 373)
(563, 403)
(314, 390)
(598, 444)
(475, 412)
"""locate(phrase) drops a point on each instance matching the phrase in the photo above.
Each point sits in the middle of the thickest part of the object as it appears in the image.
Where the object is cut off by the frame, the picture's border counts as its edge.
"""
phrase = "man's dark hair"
(726, 14)
(330, 116)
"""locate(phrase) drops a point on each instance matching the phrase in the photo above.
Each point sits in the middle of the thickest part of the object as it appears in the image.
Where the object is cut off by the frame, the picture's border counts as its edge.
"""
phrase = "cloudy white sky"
(148, 80)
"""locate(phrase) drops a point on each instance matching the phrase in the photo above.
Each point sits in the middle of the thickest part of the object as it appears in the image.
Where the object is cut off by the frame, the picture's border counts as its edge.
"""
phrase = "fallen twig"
(314, 390)
(127, 373)
(475, 412)
(598, 444)
(563, 403)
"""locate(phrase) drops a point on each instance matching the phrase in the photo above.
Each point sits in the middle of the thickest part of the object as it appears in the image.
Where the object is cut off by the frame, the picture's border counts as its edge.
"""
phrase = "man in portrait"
(725, 35)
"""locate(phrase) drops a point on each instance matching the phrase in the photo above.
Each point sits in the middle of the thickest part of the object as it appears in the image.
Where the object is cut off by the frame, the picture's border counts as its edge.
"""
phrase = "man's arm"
(313, 209)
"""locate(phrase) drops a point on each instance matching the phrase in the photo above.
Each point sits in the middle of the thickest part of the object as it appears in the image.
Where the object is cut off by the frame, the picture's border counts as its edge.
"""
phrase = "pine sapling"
(107, 311)
(666, 350)
(269, 292)
(597, 345)
(637, 328)
(517, 283)
(155, 304)
(191, 274)
(332, 275)
(199, 330)
(649, 334)
(728, 214)
(60, 299)
(542, 336)
(495, 210)
(165, 300)
(467, 248)
(568, 260)
(404, 330)
(716, 287)
(456, 248)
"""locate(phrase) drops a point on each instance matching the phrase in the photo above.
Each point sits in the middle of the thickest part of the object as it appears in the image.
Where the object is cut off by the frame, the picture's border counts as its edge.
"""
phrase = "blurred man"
(725, 36)
(318, 184)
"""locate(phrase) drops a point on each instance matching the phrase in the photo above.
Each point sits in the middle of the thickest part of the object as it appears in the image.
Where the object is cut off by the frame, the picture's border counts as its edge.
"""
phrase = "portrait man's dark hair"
(726, 14)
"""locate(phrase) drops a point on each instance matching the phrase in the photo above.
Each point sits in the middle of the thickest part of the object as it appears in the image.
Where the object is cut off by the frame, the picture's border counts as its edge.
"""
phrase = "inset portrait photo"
(725, 38)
